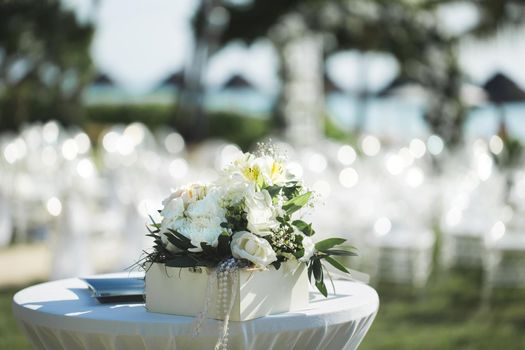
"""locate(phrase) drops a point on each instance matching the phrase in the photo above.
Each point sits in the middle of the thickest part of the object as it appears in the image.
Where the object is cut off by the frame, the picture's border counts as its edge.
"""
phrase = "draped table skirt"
(63, 315)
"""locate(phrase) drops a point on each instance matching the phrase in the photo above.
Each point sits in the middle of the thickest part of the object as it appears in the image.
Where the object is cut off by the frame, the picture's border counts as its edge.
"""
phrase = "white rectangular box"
(182, 291)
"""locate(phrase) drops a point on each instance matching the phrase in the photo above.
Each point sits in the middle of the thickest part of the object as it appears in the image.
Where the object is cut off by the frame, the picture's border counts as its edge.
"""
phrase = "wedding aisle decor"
(237, 248)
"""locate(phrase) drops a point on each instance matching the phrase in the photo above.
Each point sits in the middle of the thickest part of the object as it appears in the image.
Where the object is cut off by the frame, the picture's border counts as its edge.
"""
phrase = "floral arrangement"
(250, 216)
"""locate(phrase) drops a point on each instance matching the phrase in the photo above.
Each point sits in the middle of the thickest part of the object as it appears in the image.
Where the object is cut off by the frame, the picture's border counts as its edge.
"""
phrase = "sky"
(139, 42)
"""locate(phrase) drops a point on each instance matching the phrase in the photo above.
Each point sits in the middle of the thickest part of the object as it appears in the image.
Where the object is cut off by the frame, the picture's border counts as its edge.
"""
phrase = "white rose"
(246, 245)
(173, 208)
(234, 188)
(260, 213)
(202, 222)
(188, 194)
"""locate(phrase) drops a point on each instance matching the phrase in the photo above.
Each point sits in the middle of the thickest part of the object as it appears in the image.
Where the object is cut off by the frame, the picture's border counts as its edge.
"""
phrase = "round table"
(64, 315)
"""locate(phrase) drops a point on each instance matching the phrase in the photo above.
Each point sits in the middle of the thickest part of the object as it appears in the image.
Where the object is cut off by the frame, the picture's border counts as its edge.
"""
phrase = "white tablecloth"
(63, 315)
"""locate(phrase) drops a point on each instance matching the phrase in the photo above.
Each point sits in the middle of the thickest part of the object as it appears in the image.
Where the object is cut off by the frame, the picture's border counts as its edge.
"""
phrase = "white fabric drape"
(63, 315)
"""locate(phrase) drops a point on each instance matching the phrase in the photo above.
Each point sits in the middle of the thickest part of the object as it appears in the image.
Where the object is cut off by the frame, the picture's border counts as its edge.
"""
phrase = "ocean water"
(401, 119)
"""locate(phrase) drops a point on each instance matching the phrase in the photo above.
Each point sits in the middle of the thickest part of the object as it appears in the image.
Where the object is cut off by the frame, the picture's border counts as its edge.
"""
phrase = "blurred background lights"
(453, 217)
(417, 148)
(85, 168)
(135, 133)
(11, 153)
(480, 146)
(322, 187)
(414, 177)
(370, 145)
(54, 206)
(228, 154)
(125, 145)
(295, 169)
(483, 166)
(348, 177)
(174, 143)
(83, 143)
(496, 144)
(435, 145)
(406, 157)
(69, 149)
(317, 163)
(110, 141)
(178, 168)
(346, 155)
(498, 230)
(394, 164)
(382, 226)
(49, 156)
(21, 147)
(507, 213)
(50, 132)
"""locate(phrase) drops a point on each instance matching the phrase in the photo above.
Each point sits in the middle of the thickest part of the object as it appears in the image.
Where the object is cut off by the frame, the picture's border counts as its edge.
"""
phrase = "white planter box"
(182, 291)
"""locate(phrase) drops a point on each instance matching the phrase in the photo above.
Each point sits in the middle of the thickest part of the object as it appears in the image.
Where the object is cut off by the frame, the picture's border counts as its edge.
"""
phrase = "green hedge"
(240, 129)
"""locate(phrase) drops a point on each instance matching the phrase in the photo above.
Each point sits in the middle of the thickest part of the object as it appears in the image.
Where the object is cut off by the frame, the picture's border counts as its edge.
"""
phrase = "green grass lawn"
(448, 314)
(11, 336)
(445, 315)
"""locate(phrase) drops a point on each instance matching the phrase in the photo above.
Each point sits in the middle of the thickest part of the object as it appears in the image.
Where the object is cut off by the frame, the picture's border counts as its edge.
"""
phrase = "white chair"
(504, 258)
(400, 254)
(70, 247)
(6, 225)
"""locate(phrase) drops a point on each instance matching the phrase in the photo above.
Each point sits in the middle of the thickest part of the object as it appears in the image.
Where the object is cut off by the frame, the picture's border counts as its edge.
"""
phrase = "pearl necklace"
(226, 277)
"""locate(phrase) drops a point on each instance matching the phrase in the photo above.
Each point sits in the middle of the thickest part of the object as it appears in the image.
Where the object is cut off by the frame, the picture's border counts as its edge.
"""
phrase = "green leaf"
(336, 264)
(153, 223)
(317, 270)
(328, 243)
(208, 249)
(291, 190)
(340, 252)
(179, 240)
(310, 271)
(182, 261)
(304, 227)
(322, 288)
(296, 203)
(175, 241)
(299, 253)
(273, 190)
(223, 247)
(185, 240)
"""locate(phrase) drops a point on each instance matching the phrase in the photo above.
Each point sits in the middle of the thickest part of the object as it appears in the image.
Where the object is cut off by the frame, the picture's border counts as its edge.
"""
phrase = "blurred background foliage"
(45, 64)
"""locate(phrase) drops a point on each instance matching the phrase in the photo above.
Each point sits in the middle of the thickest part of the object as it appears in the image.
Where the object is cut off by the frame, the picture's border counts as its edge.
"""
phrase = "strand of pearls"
(203, 315)
(227, 271)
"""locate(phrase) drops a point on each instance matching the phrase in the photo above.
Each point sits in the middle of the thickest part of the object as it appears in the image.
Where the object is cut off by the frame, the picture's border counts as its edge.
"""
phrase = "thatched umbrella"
(501, 90)
(102, 79)
(329, 86)
(404, 88)
(237, 81)
(174, 79)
